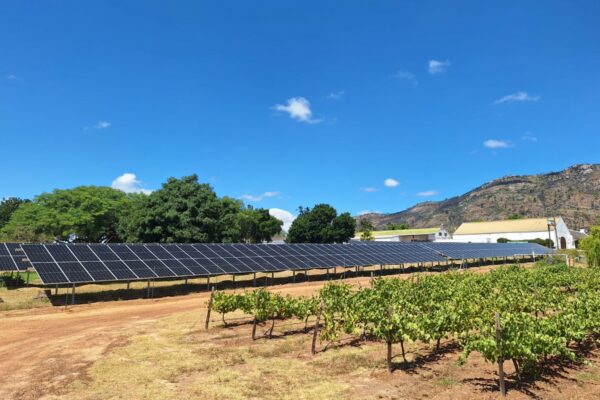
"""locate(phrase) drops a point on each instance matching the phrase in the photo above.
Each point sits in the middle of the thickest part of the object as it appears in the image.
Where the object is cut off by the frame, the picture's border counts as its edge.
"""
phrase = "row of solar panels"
(83, 263)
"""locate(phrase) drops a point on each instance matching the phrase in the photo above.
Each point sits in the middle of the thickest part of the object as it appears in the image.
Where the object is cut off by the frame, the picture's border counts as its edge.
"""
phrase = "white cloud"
(11, 77)
(529, 137)
(391, 182)
(99, 125)
(298, 108)
(336, 95)
(370, 189)
(496, 144)
(129, 183)
(437, 67)
(517, 97)
(260, 197)
(408, 76)
(428, 193)
(283, 215)
(365, 212)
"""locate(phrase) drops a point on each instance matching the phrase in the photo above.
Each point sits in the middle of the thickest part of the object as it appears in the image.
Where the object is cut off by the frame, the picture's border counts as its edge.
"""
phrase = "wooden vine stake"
(210, 303)
(500, 358)
(389, 344)
(316, 331)
(255, 322)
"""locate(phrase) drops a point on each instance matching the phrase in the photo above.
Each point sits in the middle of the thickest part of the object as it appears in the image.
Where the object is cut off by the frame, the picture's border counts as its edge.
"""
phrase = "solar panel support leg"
(208, 282)
(273, 278)
(128, 285)
(254, 280)
(27, 278)
(56, 290)
(73, 295)
(327, 273)
(307, 277)
(148, 290)
(294, 276)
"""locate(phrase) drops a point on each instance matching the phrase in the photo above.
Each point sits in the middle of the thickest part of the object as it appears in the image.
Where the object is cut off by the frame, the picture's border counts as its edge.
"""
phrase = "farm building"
(411, 235)
(517, 230)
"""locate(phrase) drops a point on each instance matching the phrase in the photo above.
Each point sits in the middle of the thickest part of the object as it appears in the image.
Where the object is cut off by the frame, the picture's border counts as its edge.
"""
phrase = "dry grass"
(172, 359)
(22, 298)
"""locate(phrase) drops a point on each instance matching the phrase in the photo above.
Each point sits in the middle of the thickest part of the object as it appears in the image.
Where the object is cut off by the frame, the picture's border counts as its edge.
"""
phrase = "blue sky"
(365, 105)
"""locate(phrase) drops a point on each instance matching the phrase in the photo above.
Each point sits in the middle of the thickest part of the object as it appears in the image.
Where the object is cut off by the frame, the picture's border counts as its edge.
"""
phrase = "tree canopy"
(591, 246)
(366, 228)
(7, 207)
(186, 211)
(92, 212)
(321, 224)
(183, 210)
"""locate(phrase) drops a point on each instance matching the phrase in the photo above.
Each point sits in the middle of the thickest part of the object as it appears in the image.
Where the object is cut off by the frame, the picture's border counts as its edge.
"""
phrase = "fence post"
(500, 358)
(316, 331)
(210, 302)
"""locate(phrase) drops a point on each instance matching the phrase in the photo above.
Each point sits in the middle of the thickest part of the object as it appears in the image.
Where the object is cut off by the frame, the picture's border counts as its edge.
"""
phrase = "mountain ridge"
(573, 193)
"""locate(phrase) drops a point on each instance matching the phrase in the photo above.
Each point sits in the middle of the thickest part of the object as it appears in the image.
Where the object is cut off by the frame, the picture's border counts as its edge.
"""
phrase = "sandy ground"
(43, 350)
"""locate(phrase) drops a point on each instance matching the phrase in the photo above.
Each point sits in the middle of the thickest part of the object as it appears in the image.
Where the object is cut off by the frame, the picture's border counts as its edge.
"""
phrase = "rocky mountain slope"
(573, 193)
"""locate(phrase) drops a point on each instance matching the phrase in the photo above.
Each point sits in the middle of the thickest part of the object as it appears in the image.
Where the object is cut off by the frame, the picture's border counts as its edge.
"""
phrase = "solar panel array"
(85, 263)
(11, 259)
(81, 263)
(461, 251)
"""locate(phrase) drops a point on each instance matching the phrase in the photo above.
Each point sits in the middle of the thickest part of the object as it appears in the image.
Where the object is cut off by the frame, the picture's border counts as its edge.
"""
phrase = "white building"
(516, 230)
(411, 235)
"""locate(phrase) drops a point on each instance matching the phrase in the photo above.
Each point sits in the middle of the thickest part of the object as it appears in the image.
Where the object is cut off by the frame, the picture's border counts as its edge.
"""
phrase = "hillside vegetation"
(573, 193)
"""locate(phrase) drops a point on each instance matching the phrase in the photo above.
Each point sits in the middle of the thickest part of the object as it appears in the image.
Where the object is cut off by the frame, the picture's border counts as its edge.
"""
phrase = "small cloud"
(391, 182)
(370, 189)
(437, 67)
(365, 212)
(283, 215)
(298, 108)
(260, 197)
(517, 97)
(336, 95)
(529, 137)
(129, 183)
(98, 126)
(428, 193)
(496, 144)
(407, 76)
(12, 77)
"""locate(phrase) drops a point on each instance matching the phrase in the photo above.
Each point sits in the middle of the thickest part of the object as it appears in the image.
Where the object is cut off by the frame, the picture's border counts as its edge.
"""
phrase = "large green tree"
(591, 246)
(91, 212)
(187, 211)
(7, 207)
(321, 224)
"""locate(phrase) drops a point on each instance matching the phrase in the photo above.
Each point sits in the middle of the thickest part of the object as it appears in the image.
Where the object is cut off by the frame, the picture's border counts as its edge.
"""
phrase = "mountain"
(573, 193)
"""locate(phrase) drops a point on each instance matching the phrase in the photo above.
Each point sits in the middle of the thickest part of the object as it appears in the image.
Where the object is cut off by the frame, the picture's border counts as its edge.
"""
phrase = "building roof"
(577, 234)
(505, 226)
(404, 232)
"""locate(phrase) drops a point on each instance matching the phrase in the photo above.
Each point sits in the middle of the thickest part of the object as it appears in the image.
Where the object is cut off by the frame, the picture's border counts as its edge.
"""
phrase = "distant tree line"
(181, 211)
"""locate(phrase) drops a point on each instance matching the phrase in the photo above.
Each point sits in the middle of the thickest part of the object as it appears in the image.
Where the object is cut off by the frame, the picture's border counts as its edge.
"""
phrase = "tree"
(91, 212)
(186, 211)
(366, 228)
(7, 207)
(321, 224)
(591, 246)
(514, 216)
(257, 225)
(399, 226)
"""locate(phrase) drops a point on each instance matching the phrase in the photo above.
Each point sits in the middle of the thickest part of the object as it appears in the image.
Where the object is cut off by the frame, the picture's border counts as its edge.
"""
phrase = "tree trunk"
(403, 352)
(389, 355)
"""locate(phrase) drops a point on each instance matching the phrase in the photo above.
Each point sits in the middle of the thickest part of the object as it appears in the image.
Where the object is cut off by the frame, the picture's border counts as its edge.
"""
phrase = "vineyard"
(525, 316)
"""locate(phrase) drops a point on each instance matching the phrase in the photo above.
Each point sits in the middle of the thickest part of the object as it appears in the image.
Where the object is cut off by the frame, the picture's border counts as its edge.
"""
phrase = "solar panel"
(82, 263)
(11, 258)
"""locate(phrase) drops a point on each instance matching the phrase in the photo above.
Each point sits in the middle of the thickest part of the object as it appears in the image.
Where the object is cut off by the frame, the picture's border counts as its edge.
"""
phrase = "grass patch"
(174, 359)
